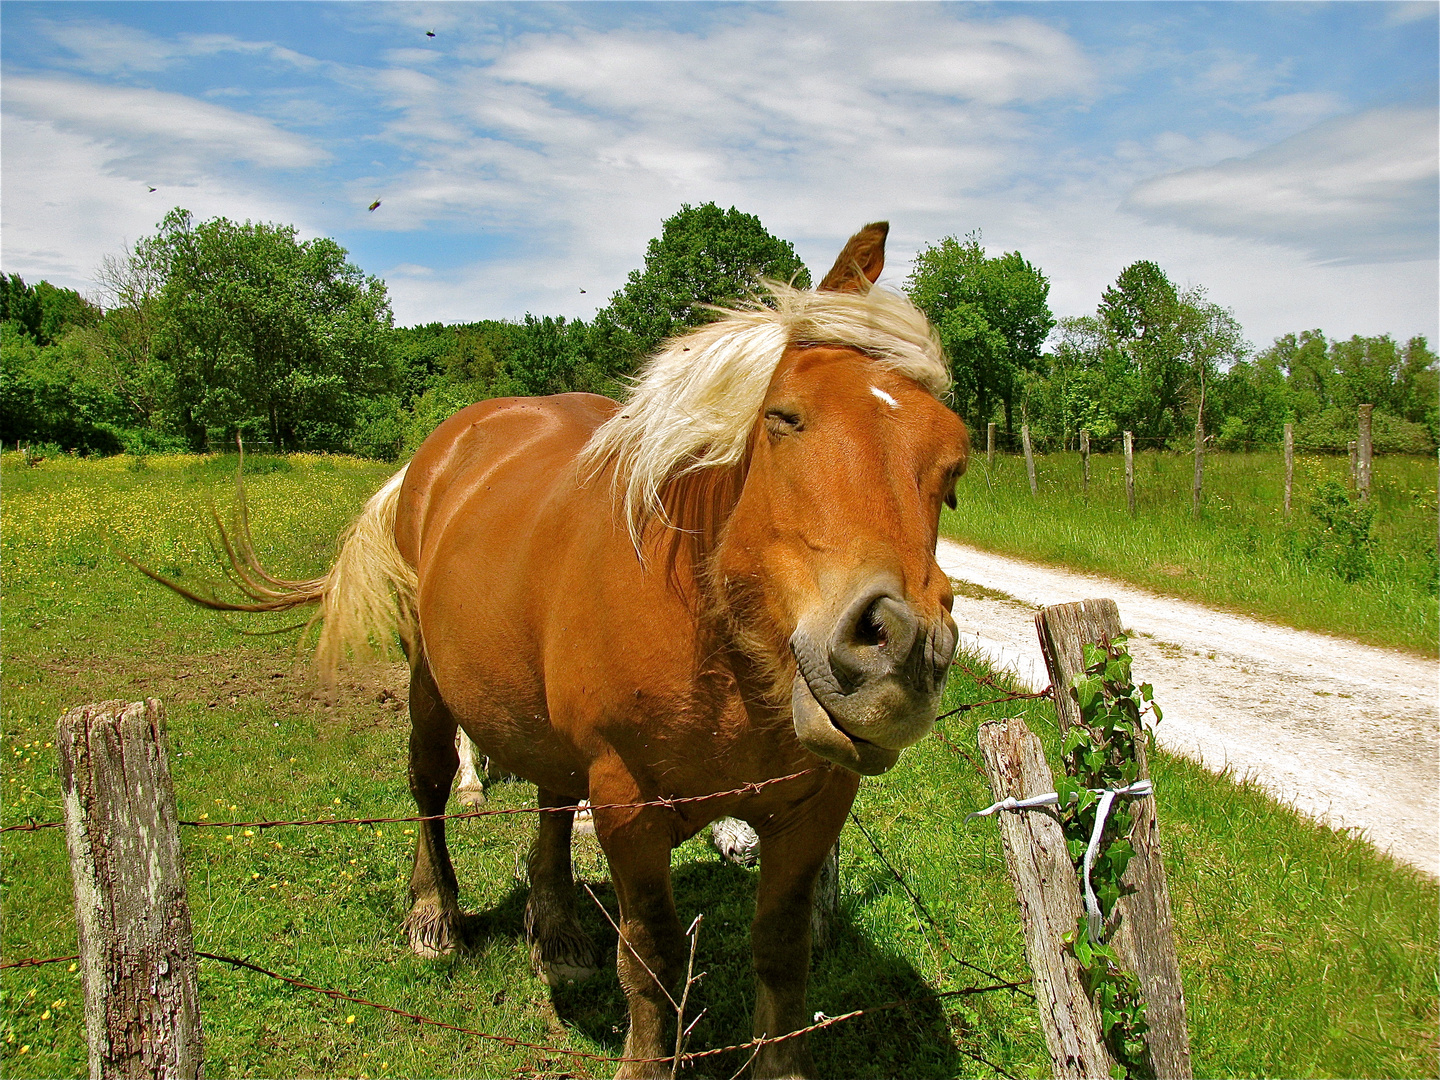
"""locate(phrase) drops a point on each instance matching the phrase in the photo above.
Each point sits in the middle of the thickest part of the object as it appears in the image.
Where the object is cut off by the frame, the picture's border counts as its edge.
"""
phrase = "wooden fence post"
(1199, 466)
(990, 445)
(137, 954)
(1085, 460)
(1130, 472)
(1143, 935)
(1289, 464)
(1363, 452)
(1029, 458)
(1354, 475)
(1049, 898)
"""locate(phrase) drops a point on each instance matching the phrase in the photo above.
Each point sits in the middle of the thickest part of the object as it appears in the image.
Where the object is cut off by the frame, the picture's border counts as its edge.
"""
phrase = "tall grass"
(1304, 952)
(1243, 554)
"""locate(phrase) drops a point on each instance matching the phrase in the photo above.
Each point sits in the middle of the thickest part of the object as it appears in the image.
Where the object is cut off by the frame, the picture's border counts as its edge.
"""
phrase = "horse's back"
(525, 445)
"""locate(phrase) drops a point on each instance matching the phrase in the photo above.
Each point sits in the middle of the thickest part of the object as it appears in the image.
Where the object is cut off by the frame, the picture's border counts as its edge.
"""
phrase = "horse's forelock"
(696, 400)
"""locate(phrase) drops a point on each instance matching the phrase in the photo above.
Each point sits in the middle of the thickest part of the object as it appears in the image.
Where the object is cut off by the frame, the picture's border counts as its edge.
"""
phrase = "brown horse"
(729, 579)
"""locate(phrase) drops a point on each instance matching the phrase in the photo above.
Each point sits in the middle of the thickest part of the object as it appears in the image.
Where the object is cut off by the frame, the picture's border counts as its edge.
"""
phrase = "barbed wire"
(668, 802)
(31, 962)
(507, 1040)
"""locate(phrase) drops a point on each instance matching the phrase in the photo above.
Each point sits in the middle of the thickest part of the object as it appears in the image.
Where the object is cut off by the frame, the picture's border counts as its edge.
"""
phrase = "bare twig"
(680, 1029)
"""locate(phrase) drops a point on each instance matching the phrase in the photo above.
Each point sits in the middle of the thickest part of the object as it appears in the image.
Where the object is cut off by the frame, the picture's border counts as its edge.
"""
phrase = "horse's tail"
(370, 591)
(367, 595)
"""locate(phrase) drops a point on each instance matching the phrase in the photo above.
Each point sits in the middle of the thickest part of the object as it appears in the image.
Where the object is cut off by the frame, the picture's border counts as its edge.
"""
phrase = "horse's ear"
(859, 265)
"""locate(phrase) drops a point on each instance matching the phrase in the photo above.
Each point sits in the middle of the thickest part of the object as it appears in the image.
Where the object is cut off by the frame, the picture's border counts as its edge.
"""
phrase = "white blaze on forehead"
(883, 396)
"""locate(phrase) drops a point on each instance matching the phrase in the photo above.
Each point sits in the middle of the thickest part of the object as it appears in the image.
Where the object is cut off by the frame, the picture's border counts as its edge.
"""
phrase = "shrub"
(1339, 537)
(1332, 430)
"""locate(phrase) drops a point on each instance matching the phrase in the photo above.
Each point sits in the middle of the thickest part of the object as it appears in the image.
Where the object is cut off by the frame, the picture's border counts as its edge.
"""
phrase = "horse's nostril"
(870, 630)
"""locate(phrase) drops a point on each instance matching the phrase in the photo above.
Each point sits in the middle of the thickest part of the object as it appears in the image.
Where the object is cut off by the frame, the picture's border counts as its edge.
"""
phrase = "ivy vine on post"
(1100, 753)
(1126, 947)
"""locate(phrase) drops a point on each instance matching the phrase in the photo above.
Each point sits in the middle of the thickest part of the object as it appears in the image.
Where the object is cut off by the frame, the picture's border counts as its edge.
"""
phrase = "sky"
(1283, 156)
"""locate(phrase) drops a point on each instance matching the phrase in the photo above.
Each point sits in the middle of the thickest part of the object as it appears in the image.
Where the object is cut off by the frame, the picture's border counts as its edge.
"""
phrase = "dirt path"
(1348, 733)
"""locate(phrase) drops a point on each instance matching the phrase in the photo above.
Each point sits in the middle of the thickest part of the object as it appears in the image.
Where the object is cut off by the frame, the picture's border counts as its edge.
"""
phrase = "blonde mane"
(696, 400)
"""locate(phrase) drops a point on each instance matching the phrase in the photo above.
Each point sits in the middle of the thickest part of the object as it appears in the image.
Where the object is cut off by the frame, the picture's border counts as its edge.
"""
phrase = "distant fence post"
(1049, 898)
(1363, 453)
(1029, 458)
(1085, 460)
(1199, 466)
(1289, 464)
(137, 953)
(1354, 473)
(990, 446)
(1144, 936)
(1130, 472)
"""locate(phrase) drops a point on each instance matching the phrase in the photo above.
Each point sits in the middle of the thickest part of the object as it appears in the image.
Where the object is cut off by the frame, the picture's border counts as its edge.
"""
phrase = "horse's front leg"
(650, 956)
(433, 924)
(790, 862)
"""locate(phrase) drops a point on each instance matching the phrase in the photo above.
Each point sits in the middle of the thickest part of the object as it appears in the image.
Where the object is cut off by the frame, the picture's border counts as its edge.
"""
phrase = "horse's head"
(829, 553)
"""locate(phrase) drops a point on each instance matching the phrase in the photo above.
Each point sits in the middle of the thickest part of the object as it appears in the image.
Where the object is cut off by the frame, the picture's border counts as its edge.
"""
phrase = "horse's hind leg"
(433, 924)
(471, 789)
(560, 949)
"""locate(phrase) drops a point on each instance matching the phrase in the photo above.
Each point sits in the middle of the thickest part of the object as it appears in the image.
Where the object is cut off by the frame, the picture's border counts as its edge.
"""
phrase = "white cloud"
(1360, 188)
(151, 133)
(61, 220)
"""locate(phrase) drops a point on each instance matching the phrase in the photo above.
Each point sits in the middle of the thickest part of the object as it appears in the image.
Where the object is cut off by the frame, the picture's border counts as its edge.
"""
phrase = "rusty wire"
(664, 801)
(32, 962)
(827, 1021)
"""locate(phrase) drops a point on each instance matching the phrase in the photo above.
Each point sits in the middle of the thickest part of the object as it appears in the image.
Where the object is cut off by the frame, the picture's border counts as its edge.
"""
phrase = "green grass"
(1304, 952)
(1242, 554)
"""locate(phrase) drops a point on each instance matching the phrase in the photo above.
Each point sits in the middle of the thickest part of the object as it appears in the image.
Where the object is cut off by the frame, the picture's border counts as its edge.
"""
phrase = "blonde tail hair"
(368, 594)
(370, 591)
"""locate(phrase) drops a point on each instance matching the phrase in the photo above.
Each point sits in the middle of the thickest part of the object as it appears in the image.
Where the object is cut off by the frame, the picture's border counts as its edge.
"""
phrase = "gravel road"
(1347, 733)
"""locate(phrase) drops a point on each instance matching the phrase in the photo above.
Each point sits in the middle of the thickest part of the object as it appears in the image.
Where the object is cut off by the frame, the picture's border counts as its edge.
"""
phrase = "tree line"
(206, 330)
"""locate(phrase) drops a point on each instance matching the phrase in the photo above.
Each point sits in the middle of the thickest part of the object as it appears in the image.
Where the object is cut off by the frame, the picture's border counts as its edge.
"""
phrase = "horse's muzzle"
(872, 687)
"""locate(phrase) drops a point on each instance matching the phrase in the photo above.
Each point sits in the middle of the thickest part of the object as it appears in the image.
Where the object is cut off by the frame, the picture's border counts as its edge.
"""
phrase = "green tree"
(264, 333)
(992, 315)
(703, 255)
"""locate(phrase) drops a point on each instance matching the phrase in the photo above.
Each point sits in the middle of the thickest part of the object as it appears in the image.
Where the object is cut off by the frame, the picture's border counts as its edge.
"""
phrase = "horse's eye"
(780, 422)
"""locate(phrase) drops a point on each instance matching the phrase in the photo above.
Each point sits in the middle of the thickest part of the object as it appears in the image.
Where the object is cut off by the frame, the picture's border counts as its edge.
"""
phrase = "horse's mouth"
(822, 734)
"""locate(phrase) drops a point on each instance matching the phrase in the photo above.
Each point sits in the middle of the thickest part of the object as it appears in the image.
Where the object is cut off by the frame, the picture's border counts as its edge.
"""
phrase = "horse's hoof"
(562, 954)
(584, 824)
(471, 796)
(736, 841)
(556, 975)
(432, 933)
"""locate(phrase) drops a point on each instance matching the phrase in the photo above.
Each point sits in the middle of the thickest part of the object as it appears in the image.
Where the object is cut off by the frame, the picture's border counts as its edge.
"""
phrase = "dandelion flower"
(350, 1019)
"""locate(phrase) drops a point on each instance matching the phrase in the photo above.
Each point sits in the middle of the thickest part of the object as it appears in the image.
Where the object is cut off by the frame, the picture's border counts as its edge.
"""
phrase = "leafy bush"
(1332, 430)
(1339, 538)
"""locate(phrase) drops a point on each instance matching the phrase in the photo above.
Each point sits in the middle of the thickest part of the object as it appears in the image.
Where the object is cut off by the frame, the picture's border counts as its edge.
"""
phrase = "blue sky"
(1283, 156)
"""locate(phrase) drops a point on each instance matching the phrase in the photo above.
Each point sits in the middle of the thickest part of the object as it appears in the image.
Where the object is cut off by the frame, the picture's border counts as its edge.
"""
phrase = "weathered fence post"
(825, 911)
(1143, 936)
(1049, 898)
(1029, 457)
(1289, 464)
(1199, 466)
(1354, 473)
(1130, 472)
(990, 445)
(1085, 460)
(1363, 453)
(137, 955)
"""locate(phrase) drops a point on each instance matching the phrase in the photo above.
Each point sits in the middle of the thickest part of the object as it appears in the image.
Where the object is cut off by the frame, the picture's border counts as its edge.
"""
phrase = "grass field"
(1304, 952)
(1242, 554)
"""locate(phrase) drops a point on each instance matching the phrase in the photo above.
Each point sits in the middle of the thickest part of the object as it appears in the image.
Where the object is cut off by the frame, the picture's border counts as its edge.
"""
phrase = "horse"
(723, 588)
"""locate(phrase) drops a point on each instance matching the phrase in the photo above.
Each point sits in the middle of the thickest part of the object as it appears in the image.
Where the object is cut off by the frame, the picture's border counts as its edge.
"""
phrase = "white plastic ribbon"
(1094, 920)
